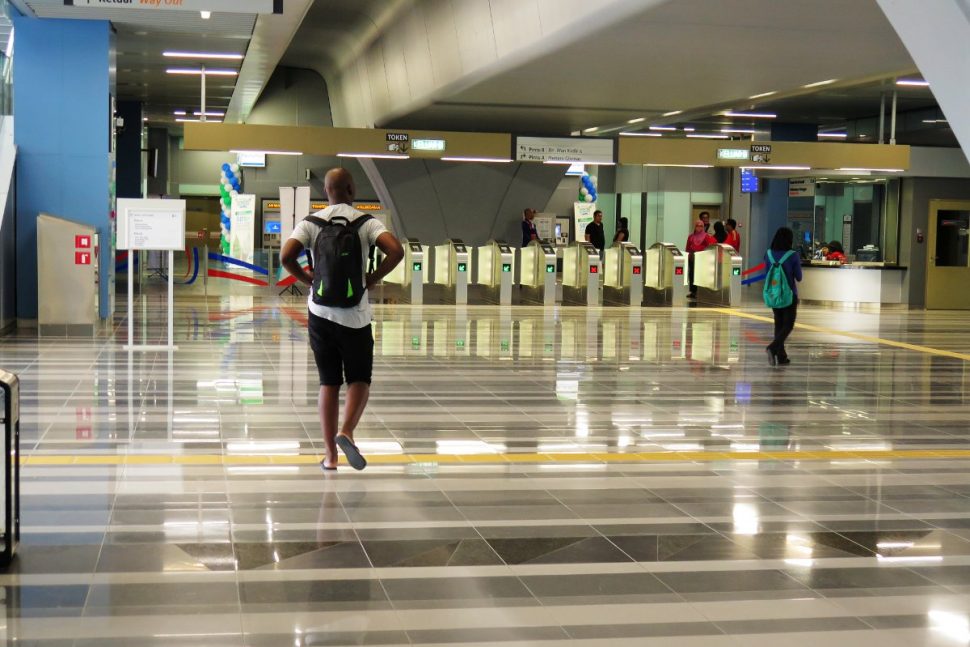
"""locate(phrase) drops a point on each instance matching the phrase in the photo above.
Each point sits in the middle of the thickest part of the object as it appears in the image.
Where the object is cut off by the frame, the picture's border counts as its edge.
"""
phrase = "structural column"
(63, 130)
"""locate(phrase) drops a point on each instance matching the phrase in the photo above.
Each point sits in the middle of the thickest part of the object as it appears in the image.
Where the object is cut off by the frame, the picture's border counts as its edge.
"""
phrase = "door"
(948, 256)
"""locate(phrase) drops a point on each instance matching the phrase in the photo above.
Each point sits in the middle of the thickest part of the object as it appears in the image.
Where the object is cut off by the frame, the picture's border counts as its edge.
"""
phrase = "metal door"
(948, 256)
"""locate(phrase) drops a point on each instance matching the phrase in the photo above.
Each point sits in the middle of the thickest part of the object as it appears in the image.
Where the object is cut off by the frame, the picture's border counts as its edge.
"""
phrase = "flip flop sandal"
(353, 454)
(327, 469)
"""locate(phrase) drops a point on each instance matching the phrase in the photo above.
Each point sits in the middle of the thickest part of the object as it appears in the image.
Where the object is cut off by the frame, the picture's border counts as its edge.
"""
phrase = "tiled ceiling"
(142, 36)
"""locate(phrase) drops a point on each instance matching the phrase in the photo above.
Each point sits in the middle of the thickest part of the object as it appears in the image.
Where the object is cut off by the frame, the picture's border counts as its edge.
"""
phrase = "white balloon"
(234, 193)
(584, 191)
(234, 168)
(589, 198)
(593, 178)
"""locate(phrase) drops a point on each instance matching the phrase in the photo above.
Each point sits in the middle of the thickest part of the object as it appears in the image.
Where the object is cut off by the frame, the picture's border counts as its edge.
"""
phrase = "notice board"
(151, 224)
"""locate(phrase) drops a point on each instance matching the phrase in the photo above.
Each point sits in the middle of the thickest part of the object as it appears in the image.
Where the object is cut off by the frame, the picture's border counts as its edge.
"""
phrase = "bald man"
(341, 338)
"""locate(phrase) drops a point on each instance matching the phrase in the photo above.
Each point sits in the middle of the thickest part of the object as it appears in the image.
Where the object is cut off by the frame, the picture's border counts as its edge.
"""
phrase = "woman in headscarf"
(696, 242)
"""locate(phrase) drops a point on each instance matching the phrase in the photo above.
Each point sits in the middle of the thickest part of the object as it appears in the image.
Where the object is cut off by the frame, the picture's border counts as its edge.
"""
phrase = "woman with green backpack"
(781, 292)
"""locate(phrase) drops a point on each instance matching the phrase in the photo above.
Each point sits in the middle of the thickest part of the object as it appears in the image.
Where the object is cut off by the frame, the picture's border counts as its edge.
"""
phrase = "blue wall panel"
(61, 127)
(770, 210)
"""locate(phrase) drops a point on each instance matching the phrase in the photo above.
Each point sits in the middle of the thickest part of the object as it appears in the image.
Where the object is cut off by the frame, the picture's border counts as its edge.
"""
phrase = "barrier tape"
(219, 274)
(752, 270)
(229, 260)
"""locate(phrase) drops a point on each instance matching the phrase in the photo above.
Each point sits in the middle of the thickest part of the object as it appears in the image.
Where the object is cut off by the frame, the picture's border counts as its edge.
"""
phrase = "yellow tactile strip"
(563, 458)
(852, 335)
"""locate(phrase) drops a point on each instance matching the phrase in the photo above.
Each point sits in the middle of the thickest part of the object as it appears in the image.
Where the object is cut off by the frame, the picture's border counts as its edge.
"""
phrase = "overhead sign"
(398, 137)
(428, 145)
(760, 148)
(732, 153)
(221, 6)
(564, 149)
(801, 187)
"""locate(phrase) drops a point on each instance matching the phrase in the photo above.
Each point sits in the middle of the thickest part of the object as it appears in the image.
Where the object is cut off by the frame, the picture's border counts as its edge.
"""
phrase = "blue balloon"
(227, 168)
(237, 186)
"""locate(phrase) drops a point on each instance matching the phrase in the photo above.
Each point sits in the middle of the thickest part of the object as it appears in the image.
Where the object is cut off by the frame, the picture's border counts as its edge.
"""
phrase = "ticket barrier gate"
(493, 274)
(406, 282)
(665, 276)
(623, 276)
(717, 275)
(452, 265)
(537, 285)
(581, 269)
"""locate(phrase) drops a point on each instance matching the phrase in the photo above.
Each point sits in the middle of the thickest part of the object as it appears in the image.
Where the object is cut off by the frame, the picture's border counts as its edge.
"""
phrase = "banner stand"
(151, 225)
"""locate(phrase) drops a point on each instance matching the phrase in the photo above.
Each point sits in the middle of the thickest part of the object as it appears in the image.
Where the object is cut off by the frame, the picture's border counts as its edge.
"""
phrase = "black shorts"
(340, 351)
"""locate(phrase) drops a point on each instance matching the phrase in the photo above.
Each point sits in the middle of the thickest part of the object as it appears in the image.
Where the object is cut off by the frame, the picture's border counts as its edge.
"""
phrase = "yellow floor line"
(541, 458)
(852, 335)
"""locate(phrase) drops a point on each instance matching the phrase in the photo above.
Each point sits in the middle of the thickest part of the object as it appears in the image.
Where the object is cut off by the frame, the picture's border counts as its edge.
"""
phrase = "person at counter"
(623, 232)
(696, 242)
(594, 232)
(705, 217)
(781, 252)
(733, 237)
(529, 231)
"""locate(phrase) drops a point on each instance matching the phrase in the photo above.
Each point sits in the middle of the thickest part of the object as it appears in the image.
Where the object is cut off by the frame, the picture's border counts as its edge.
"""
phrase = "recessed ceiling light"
(643, 134)
(689, 129)
(206, 14)
(637, 120)
(834, 135)
(818, 84)
(739, 131)
(185, 120)
(179, 113)
(763, 95)
(198, 113)
(769, 167)
(238, 151)
(750, 115)
(919, 83)
(668, 128)
(591, 129)
(706, 136)
(684, 165)
(198, 72)
(211, 55)
(672, 113)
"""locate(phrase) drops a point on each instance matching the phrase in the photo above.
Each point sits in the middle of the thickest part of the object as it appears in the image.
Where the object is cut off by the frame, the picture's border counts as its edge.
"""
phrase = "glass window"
(951, 238)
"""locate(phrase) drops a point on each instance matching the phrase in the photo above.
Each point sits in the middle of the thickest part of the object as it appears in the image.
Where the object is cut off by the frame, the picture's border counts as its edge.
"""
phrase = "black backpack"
(338, 263)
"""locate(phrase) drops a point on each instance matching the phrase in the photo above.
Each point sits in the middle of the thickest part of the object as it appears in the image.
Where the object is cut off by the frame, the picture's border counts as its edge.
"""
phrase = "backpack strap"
(359, 222)
(786, 256)
(771, 258)
(319, 222)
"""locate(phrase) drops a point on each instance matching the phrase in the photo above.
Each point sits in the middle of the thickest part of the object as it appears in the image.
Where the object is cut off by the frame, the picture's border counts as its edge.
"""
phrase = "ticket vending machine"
(665, 276)
(623, 276)
(538, 283)
(581, 268)
(405, 283)
(494, 271)
(452, 265)
(717, 275)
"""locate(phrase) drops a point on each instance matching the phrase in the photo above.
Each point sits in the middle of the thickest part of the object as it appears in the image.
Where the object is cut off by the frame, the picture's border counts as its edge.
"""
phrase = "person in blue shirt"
(529, 231)
(784, 317)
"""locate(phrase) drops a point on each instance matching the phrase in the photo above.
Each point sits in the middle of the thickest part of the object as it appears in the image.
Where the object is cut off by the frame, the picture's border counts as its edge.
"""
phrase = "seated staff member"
(696, 242)
(529, 231)
(623, 233)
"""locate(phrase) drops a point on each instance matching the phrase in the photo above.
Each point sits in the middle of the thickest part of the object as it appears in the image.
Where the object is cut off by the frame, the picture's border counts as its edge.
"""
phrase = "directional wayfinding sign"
(221, 6)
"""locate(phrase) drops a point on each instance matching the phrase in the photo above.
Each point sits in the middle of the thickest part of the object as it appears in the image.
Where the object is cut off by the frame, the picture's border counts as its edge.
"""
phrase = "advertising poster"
(582, 216)
(243, 216)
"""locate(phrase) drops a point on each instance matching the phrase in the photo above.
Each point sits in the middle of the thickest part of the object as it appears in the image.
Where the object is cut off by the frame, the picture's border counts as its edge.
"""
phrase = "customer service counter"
(852, 284)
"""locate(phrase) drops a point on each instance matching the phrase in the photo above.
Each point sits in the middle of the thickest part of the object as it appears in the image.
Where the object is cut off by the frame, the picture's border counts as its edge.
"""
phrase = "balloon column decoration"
(587, 193)
(229, 187)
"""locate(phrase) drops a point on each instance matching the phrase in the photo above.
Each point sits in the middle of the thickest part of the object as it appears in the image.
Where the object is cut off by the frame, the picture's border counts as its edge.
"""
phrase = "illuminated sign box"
(427, 144)
(732, 153)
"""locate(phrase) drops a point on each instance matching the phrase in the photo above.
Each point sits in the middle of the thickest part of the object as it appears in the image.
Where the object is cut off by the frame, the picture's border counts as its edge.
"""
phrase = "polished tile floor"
(600, 477)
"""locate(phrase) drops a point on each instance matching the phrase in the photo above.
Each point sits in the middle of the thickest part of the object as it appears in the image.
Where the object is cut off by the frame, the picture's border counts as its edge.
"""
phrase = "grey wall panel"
(8, 263)
(474, 202)
(293, 97)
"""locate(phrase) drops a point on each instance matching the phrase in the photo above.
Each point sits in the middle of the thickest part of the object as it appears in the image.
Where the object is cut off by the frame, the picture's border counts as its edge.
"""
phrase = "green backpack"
(777, 292)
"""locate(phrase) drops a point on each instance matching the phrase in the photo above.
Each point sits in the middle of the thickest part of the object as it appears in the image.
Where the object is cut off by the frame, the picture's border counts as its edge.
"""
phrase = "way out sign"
(221, 6)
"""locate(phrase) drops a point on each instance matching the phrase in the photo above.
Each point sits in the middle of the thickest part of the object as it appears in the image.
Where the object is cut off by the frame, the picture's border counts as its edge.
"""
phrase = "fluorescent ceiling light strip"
(637, 120)
(179, 113)
(918, 83)
(255, 152)
(763, 95)
(768, 167)
(382, 156)
(689, 129)
(571, 162)
(663, 128)
(705, 136)
(750, 115)
(642, 134)
(835, 135)
(739, 131)
(211, 55)
(819, 84)
(189, 121)
(877, 170)
(684, 165)
(198, 72)
(198, 113)
(672, 113)
(499, 160)
(592, 129)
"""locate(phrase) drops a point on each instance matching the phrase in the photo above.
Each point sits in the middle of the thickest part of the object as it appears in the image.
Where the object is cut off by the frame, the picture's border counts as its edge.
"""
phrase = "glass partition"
(858, 217)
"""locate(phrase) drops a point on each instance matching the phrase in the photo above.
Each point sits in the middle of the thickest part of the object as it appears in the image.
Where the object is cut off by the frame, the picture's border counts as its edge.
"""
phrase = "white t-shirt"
(306, 232)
